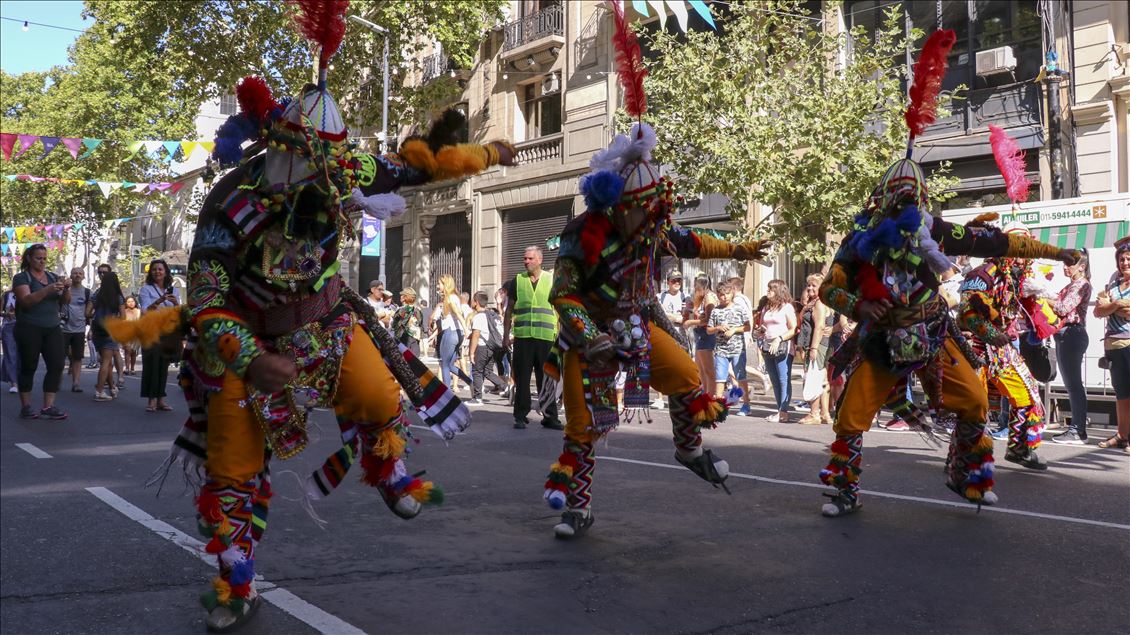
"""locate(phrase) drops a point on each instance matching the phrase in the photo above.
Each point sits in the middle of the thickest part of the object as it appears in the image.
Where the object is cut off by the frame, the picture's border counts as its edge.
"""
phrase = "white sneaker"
(659, 404)
(101, 396)
(474, 402)
(13, 389)
(223, 620)
(774, 418)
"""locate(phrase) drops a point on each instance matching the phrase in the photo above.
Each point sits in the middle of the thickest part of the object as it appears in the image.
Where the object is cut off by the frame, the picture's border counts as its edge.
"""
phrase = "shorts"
(105, 343)
(1120, 371)
(75, 345)
(722, 366)
(704, 341)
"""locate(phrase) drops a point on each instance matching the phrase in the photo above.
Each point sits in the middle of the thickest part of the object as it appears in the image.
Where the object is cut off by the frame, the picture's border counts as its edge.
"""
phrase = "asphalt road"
(87, 549)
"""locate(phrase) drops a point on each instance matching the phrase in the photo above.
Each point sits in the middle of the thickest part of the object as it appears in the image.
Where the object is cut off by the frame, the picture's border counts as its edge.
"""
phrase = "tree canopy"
(779, 108)
(143, 69)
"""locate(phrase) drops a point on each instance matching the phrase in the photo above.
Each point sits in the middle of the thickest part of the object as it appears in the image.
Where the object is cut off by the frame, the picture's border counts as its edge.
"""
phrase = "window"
(542, 112)
(228, 105)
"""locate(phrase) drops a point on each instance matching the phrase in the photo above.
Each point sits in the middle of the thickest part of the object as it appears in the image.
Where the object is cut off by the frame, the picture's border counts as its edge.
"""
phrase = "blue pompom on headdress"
(602, 189)
(231, 135)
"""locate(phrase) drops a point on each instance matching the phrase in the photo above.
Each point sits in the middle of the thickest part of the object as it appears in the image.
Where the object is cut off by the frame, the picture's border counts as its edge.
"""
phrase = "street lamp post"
(384, 120)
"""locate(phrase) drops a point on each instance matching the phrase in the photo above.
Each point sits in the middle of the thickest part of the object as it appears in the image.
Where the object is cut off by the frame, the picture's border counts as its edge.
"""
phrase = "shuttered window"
(394, 269)
(451, 250)
(532, 225)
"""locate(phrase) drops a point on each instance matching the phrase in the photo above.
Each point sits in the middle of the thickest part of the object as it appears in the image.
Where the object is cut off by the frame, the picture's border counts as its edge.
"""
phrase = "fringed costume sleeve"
(981, 241)
(574, 322)
(837, 293)
(687, 244)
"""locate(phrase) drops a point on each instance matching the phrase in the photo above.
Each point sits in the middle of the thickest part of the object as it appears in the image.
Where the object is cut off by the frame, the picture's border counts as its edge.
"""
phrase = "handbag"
(814, 377)
(1040, 358)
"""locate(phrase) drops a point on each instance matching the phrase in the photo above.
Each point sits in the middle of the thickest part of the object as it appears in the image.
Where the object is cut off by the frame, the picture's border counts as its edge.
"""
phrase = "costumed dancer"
(885, 276)
(273, 331)
(993, 299)
(605, 283)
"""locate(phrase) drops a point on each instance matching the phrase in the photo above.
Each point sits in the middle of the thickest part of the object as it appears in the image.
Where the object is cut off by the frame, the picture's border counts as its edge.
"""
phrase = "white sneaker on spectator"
(101, 396)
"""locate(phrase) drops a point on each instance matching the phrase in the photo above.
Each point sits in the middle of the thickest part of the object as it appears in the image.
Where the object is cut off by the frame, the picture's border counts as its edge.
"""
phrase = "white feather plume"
(380, 206)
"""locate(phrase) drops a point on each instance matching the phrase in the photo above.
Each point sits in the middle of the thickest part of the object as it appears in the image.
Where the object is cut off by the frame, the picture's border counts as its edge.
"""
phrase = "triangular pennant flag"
(133, 147)
(208, 145)
(105, 187)
(188, 147)
(26, 141)
(11, 231)
(107, 224)
(90, 144)
(700, 7)
(151, 147)
(115, 186)
(680, 11)
(175, 187)
(162, 186)
(73, 145)
(7, 142)
(128, 184)
(10, 177)
(658, 6)
(140, 187)
(641, 7)
(49, 144)
(171, 147)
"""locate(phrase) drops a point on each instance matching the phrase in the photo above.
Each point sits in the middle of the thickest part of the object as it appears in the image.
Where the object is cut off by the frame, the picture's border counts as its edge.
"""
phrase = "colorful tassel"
(389, 444)
(425, 492)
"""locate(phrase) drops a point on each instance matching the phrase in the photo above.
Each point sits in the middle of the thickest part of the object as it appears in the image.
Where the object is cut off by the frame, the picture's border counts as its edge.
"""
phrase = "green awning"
(1090, 236)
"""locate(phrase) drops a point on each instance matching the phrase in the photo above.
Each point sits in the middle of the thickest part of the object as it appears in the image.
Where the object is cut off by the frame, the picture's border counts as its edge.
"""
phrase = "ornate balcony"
(535, 33)
(546, 148)
(438, 64)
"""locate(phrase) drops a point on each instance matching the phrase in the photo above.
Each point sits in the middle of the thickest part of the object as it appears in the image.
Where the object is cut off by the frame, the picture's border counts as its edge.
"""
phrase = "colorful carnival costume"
(605, 283)
(991, 311)
(263, 288)
(885, 276)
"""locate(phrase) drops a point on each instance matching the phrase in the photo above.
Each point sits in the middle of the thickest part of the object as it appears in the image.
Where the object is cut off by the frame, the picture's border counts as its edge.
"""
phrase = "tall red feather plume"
(629, 63)
(927, 84)
(1010, 161)
(322, 21)
(254, 97)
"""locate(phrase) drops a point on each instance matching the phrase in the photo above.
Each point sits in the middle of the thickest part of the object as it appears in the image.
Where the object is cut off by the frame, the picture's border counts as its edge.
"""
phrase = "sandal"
(1115, 442)
(808, 420)
(150, 408)
(165, 407)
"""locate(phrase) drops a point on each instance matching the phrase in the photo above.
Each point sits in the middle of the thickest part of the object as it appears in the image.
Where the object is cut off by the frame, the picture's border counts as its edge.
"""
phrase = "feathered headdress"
(629, 63)
(323, 23)
(928, 73)
(1010, 161)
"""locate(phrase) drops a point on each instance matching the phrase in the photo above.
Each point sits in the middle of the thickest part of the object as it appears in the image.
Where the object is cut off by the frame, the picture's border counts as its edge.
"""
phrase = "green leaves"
(768, 109)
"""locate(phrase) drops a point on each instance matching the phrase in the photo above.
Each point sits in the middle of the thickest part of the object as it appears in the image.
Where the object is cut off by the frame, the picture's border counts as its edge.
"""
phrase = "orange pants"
(673, 372)
(870, 385)
(366, 391)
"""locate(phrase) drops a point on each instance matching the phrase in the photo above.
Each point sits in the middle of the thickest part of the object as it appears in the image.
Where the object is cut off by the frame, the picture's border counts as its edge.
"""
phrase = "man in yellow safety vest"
(533, 321)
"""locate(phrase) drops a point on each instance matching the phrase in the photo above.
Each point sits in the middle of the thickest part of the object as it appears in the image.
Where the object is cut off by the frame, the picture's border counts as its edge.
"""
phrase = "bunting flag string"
(14, 145)
(106, 187)
(15, 239)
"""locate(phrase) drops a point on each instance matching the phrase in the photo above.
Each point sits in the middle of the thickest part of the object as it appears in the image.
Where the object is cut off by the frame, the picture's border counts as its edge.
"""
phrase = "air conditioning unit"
(995, 61)
(551, 84)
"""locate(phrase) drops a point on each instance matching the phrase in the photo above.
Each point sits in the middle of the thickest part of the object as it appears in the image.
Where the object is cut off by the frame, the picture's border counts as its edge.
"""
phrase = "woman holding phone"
(156, 293)
(39, 294)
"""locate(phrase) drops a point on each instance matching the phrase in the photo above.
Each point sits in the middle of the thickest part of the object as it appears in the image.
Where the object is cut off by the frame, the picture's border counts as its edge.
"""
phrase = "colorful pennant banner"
(14, 145)
(107, 187)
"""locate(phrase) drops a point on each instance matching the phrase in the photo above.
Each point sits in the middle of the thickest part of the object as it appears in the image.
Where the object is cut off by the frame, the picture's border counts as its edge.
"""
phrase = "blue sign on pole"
(370, 236)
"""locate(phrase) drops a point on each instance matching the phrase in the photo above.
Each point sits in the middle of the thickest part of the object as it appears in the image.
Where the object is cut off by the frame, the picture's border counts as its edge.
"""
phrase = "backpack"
(494, 330)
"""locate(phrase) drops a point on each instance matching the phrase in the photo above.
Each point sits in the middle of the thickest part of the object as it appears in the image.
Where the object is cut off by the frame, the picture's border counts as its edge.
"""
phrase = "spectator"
(40, 296)
(408, 321)
(449, 329)
(816, 323)
(74, 323)
(846, 326)
(130, 312)
(753, 360)
(461, 362)
(1113, 303)
(696, 315)
(108, 303)
(381, 301)
(672, 301)
(103, 270)
(1071, 343)
(533, 321)
(502, 360)
(485, 342)
(10, 369)
(729, 322)
(156, 293)
(779, 322)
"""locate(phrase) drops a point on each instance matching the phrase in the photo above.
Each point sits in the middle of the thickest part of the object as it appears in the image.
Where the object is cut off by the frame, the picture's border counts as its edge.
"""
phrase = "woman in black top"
(39, 294)
(108, 301)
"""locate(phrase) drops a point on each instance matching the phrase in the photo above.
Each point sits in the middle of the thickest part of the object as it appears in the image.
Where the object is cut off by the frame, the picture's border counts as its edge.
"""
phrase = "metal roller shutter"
(394, 269)
(531, 225)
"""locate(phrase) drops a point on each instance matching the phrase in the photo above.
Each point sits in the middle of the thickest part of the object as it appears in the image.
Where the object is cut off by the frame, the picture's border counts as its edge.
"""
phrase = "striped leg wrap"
(970, 465)
(579, 496)
(690, 412)
(225, 515)
(1024, 428)
(844, 465)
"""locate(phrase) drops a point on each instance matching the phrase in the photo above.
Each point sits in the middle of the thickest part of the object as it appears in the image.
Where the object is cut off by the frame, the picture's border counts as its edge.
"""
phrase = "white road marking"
(916, 499)
(301, 609)
(34, 451)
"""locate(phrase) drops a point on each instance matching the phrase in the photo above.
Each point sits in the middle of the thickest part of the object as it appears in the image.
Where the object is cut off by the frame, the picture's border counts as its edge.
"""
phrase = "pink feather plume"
(928, 73)
(629, 63)
(322, 21)
(254, 97)
(1010, 161)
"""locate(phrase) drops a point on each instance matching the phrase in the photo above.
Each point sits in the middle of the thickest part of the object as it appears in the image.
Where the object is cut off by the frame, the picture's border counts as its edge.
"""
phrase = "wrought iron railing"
(436, 65)
(548, 21)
